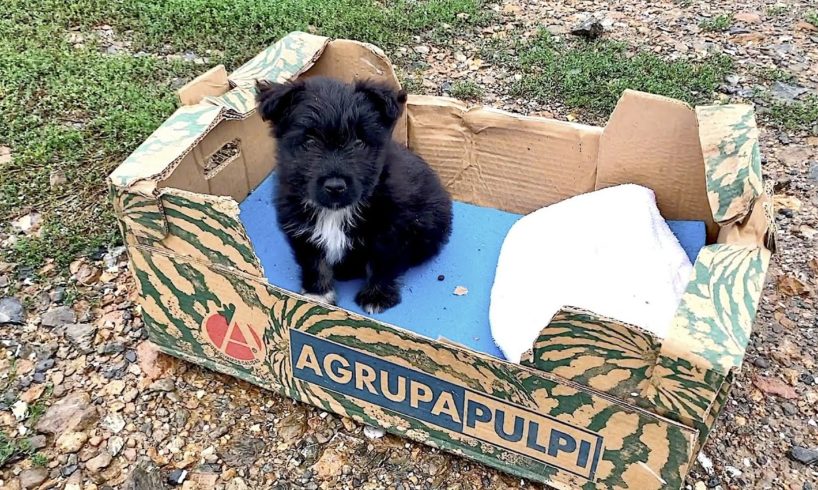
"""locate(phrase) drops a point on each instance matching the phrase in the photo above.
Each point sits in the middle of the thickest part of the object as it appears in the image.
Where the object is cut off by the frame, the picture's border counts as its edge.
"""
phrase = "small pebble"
(177, 477)
(761, 362)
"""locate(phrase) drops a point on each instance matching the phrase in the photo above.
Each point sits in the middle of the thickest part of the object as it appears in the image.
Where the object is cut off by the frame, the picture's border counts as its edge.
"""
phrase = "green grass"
(719, 23)
(812, 17)
(83, 111)
(39, 459)
(412, 83)
(467, 90)
(592, 76)
(36, 411)
(795, 116)
(774, 74)
(12, 448)
(777, 10)
(8, 448)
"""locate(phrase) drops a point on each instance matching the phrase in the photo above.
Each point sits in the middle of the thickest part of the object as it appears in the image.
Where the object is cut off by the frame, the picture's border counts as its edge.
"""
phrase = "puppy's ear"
(275, 99)
(388, 101)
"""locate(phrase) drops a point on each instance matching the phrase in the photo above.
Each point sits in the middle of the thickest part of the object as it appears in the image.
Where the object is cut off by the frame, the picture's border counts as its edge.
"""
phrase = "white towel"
(608, 251)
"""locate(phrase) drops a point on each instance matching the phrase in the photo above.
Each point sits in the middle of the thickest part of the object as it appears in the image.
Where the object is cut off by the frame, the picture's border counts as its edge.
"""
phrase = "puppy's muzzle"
(335, 187)
(334, 192)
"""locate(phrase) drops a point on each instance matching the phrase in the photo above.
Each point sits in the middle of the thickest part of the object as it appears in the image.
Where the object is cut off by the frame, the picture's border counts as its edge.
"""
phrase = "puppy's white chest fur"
(330, 233)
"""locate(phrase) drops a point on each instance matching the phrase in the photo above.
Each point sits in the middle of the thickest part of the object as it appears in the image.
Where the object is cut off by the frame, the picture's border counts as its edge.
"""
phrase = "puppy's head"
(332, 136)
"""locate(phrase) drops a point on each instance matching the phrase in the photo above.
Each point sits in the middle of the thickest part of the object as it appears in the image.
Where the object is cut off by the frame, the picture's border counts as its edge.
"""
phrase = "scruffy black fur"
(352, 202)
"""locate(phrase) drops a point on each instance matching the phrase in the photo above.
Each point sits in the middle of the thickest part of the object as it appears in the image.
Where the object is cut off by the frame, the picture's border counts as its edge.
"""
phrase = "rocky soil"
(90, 403)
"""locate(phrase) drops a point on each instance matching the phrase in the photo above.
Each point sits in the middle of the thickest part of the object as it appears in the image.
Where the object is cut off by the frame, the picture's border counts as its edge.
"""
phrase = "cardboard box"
(597, 403)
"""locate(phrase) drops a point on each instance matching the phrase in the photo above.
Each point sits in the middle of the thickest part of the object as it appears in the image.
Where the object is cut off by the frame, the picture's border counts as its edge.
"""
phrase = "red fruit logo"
(236, 341)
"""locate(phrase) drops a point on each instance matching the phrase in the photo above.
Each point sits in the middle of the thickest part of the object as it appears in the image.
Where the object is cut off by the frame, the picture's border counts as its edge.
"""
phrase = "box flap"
(654, 141)
(140, 211)
(286, 59)
(238, 103)
(732, 159)
(207, 228)
(757, 229)
(213, 82)
(709, 334)
(596, 351)
(168, 144)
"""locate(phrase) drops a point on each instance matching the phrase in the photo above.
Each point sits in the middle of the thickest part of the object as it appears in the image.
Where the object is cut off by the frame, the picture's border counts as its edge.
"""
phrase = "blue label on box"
(427, 398)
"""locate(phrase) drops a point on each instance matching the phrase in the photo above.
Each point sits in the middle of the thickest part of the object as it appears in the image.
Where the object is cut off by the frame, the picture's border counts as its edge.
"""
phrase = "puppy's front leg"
(382, 290)
(316, 273)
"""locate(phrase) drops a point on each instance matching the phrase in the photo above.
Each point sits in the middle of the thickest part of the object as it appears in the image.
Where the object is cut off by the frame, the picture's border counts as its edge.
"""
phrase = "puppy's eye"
(358, 144)
(310, 144)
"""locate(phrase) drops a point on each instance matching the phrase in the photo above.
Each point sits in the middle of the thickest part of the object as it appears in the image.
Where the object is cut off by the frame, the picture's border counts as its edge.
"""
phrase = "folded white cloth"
(608, 251)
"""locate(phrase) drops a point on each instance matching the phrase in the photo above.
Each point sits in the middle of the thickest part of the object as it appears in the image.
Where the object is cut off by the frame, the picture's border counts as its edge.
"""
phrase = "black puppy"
(351, 201)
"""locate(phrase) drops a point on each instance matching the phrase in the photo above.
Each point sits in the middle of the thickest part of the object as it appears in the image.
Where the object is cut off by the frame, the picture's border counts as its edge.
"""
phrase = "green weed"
(466, 89)
(812, 17)
(795, 116)
(719, 23)
(39, 459)
(777, 10)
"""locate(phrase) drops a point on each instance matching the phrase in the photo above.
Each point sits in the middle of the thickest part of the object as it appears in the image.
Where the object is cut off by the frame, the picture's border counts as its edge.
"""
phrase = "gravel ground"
(102, 409)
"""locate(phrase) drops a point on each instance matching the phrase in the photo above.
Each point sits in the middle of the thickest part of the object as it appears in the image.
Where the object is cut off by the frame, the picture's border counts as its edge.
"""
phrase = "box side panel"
(496, 159)
(599, 352)
(710, 332)
(503, 415)
(220, 320)
(502, 434)
(140, 213)
(205, 228)
(231, 160)
(654, 141)
(706, 426)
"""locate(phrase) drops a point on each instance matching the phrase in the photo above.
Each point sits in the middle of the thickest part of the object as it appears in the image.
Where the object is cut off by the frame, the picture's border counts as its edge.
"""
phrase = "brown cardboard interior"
(654, 141)
(235, 177)
(501, 160)
(496, 159)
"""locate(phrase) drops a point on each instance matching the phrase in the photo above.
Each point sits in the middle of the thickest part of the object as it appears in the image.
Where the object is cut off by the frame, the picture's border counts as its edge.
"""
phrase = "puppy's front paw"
(375, 299)
(328, 297)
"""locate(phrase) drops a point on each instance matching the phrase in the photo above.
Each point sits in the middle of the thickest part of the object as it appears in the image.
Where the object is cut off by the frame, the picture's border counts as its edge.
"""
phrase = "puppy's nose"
(335, 186)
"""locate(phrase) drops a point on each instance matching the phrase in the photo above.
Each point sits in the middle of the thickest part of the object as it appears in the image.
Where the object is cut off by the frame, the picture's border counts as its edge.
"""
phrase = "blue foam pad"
(429, 307)
(691, 235)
